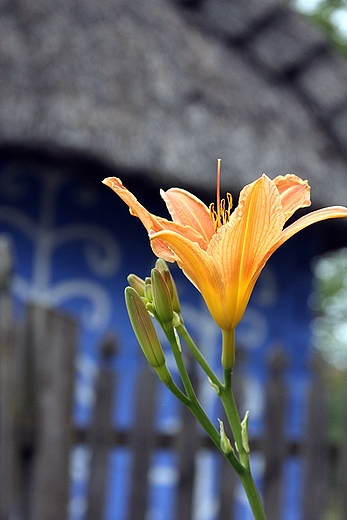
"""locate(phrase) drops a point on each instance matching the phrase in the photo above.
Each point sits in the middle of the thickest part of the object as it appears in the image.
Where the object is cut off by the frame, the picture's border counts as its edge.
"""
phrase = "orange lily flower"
(223, 252)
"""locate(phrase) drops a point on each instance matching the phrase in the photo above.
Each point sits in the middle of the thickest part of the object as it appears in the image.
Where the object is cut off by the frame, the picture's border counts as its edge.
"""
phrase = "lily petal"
(225, 261)
(295, 193)
(151, 222)
(300, 224)
(311, 218)
(240, 245)
(186, 209)
(201, 269)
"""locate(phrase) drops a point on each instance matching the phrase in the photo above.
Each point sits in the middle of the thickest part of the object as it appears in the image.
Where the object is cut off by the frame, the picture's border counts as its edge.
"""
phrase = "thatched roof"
(165, 87)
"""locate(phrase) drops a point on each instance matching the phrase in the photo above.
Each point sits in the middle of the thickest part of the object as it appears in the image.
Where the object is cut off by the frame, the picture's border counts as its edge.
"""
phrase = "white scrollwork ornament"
(100, 252)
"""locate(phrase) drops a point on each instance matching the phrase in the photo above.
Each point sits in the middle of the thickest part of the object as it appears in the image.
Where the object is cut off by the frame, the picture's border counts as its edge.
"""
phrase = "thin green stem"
(253, 495)
(227, 398)
(239, 431)
(182, 331)
(241, 465)
(176, 349)
(192, 401)
(177, 392)
(228, 349)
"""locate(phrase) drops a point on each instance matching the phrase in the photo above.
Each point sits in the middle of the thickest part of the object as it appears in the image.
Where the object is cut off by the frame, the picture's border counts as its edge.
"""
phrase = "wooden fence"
(37, 354)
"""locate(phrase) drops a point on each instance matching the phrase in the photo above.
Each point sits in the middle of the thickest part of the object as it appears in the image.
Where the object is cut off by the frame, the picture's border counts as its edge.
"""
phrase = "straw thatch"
(164, 88)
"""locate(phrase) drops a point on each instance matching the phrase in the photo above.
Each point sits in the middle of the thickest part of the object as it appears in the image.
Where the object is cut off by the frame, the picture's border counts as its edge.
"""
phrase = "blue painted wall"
(75, 243)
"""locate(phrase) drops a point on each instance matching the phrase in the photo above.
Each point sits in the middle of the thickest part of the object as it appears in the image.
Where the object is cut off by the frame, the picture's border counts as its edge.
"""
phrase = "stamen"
(221, 214)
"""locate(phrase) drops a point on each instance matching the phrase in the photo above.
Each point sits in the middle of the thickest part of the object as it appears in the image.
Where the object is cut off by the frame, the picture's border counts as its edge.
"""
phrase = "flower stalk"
(157, 301)
(222, 252)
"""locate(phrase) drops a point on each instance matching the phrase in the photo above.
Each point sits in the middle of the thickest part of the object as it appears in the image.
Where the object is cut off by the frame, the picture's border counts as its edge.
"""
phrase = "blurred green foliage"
(330, 15)
(329, 333)
(329, 302)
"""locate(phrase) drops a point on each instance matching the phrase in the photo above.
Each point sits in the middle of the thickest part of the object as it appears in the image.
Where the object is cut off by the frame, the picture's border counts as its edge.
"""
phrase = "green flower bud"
(161, 297)
(137, 283)
(164, 374)
(161, 265)
(147, 292)
(173, 290)
(143, 328)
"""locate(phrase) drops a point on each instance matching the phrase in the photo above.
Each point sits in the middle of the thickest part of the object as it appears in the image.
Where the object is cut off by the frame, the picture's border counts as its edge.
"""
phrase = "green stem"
(192, 401)
(253, 496)
(227, 397)
(241, 440)
(181, 329)
(177, 392)
(176, 349)
(228, 349)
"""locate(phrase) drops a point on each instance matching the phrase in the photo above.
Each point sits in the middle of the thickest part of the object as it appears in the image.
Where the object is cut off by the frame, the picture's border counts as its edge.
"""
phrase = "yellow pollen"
(222, 216)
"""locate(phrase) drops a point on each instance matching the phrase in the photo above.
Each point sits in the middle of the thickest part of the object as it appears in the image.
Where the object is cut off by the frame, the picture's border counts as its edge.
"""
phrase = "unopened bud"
(143, 328)
(164, 374)
(161, 265)
(137, 283)
(161, 297)
(147, 291)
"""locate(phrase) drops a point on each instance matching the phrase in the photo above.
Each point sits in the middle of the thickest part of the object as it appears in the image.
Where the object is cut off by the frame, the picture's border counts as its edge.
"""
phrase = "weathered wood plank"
(227, 485)
(141, 443)
(187, 444)
(341, 481)
(274, 437)
(99, 437)
(8, 378)
(52, 339)
(315, 453)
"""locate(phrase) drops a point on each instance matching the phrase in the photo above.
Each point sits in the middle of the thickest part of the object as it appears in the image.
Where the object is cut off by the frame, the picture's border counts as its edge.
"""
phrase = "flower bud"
(147, 291)
(164, 374)
(143, 328)
(161, 297)
(137, 283)
(161, 265)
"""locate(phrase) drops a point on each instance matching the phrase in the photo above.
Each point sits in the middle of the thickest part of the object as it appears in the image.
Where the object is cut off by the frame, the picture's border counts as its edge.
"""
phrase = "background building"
(154, 92)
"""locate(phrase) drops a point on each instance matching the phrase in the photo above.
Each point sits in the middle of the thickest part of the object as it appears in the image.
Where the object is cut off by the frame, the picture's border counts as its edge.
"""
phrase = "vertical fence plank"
(187, 444)
(274, 438)
(99, 437)
(52, 339)
(142, 440)
(315, 452)
(7, 385)
(341, 483)
(227, 485)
